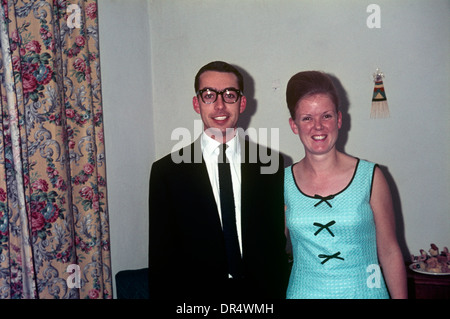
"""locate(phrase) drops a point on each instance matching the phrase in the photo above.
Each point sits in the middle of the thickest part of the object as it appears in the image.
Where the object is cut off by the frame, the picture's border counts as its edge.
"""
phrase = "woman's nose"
(318, 125)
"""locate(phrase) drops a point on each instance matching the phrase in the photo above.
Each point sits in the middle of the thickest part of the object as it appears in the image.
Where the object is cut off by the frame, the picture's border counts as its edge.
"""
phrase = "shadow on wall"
(249, 92)
(343, 107)
(399, 222)
(252, 106)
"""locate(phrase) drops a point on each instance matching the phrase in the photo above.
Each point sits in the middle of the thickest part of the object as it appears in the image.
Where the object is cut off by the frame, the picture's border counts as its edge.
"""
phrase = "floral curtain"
(54, 228)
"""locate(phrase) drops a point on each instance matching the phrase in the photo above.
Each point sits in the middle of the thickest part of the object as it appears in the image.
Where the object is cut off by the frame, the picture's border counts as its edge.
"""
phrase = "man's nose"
(219, 104)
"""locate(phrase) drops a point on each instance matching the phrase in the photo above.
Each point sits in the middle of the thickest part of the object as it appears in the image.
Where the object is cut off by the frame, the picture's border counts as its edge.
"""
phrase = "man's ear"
(196, 104)
(243, 104)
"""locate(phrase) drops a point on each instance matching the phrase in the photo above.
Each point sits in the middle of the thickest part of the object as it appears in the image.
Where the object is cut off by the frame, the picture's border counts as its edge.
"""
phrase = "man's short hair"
(219, 66)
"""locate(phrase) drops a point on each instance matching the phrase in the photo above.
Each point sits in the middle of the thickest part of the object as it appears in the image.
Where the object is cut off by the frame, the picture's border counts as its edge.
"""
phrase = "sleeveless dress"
(333, 241)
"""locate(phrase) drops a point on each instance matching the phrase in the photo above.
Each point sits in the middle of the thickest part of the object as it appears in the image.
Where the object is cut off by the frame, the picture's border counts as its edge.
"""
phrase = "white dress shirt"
(210, 150)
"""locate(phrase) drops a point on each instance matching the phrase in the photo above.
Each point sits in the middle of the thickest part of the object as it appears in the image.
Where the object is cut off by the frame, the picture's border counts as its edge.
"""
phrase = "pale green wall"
(151, 50)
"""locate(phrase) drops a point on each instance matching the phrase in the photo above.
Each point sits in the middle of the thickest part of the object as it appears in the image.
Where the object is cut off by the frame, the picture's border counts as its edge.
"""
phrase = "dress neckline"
(330, 195)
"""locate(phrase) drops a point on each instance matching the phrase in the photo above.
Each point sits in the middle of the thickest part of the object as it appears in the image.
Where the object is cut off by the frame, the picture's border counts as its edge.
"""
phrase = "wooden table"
(422, 286)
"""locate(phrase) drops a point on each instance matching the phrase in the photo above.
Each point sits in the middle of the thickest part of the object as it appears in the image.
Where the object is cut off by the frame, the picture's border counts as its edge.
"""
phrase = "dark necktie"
(228, 216)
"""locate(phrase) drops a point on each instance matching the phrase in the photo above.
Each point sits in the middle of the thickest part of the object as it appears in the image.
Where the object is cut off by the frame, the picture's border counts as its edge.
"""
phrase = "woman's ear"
(293, 125)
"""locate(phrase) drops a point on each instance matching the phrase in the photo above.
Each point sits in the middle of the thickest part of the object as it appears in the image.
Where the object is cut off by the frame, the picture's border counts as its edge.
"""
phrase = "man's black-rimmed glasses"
(229, 95)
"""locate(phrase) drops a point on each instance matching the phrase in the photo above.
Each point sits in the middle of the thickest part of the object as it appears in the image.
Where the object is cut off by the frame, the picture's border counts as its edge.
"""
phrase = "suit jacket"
(187, 257)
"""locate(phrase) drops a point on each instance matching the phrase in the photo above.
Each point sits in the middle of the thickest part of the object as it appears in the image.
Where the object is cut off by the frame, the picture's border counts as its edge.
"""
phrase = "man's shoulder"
(184, 155)
(270, 160)
(251, 144)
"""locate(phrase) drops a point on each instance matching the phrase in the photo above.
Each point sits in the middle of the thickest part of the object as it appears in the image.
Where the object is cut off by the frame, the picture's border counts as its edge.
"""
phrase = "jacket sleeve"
(161, 238)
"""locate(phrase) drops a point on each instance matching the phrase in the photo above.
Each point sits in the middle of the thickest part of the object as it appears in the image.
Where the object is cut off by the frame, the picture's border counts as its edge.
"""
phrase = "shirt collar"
(209, 145)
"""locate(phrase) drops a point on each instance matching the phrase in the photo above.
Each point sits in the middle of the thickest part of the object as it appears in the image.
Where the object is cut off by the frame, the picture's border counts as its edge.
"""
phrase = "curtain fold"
(54, 227)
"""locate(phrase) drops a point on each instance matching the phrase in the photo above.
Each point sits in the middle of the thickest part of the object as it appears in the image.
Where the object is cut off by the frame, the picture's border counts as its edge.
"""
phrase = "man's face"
(219, 116)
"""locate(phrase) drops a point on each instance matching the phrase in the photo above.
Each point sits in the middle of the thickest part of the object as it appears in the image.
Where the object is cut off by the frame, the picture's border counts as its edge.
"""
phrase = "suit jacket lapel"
(249, 181)
(201, 173)
(249, 172)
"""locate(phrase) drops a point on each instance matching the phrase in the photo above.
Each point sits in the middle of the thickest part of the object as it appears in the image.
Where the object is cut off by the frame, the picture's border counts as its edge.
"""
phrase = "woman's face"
(317, 123)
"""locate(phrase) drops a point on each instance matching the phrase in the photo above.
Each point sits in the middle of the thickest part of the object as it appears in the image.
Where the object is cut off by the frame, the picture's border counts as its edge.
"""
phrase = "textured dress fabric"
(334, 241)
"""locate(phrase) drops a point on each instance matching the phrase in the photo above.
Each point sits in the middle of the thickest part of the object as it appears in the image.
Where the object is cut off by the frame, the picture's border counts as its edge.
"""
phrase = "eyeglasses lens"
(229, 96)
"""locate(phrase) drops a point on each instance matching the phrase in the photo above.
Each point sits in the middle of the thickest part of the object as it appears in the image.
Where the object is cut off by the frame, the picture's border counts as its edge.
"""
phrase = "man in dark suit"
(192, 232)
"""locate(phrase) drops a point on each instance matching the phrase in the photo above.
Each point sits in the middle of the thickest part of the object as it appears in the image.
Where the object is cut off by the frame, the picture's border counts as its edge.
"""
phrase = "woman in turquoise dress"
(339, 211)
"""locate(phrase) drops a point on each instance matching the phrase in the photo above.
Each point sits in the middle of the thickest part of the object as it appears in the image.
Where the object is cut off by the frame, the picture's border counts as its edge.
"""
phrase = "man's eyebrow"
(215, 89)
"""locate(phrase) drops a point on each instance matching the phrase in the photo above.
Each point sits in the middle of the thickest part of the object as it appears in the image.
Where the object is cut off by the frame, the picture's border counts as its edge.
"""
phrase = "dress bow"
(321, 227)
(328, 257)
(323, 199)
